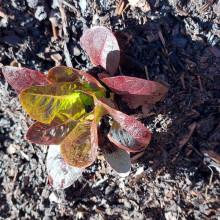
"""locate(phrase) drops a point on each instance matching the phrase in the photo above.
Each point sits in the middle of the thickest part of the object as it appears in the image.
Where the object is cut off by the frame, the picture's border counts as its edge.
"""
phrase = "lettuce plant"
(74, 116)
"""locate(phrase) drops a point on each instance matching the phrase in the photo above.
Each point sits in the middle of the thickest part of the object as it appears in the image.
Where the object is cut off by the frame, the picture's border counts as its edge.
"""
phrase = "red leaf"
(79, 148)
(22, 78)
(102, 47)
(53, 133)
(126, 132)
(68, 74)
(135, 91)
(60, 174)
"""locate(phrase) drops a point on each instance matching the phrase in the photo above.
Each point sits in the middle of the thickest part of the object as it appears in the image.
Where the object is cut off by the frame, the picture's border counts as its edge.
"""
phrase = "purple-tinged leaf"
(102, 48)
(53, 133)
(135, 91)
(68, 74)
(22, 78)
(79, 148)
(60, 174)
(126, 132)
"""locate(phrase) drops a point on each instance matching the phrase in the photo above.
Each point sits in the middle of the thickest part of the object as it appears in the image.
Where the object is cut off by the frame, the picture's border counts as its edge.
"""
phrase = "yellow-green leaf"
(67, 100)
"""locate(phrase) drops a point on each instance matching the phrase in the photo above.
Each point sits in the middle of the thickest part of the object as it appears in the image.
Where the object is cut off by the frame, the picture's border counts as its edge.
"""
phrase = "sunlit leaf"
(68, 74)
(102, 47)
(79, 148)
(135, 91)
(53, 133)
(126, 132)
(43, 103)
(60, 174)
(22, 78)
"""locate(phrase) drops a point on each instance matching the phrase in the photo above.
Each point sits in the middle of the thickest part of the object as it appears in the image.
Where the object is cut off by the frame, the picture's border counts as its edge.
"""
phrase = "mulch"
(172, 42)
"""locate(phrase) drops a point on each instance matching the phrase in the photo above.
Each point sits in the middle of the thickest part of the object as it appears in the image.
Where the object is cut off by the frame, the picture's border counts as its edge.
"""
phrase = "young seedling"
(69, 105)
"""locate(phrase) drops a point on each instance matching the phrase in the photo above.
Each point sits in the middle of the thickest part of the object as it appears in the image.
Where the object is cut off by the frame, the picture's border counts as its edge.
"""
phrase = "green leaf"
(44, 103)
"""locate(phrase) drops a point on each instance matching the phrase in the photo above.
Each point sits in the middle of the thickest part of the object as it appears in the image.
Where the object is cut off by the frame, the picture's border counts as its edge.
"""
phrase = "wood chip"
(161, 38)
(186, 139)
(215, 51)
(180, 12)
(194, 193)
(55, 36)
(206, 5)
(137, 156)
(67, 56)
(146, 72)
(24, 155)
(119, 9)
(215, 156)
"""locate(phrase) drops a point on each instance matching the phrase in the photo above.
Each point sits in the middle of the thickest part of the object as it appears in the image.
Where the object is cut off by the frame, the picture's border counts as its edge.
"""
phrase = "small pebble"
(56, 57)
(2, 12)
(11, 172)
(53, 198)
(11, 149)
(76, 51)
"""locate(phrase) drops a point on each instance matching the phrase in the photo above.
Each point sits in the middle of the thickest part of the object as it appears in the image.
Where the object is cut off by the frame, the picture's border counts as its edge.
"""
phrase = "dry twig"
(206, 5)
(185, 139)
(146, 72)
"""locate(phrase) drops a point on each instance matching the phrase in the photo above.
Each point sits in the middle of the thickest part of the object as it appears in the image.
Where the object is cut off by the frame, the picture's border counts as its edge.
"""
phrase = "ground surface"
(177, 176)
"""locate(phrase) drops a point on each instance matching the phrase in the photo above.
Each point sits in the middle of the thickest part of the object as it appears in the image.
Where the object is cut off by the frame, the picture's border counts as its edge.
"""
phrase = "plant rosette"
(70, 106)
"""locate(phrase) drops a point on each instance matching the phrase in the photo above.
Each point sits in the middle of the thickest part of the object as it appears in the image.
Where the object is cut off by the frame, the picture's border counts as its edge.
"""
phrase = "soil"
(172, 42)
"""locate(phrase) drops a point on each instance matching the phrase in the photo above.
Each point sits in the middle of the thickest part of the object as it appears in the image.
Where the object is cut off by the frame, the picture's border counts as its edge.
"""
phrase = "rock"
(76, 51)
(55, 4)
(127, 204)
(53, 198)
(56, 57)
(83, 5)
(11, 172)
(133, 2)
(32, 3)
(40, 13)
(11, 149)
